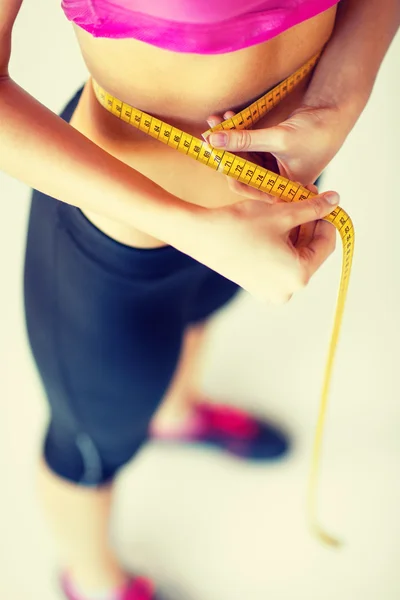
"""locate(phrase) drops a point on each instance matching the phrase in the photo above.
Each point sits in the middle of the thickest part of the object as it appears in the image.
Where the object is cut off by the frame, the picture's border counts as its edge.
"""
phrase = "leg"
(106, 341)
(186, 416)
(184, 393)
(78, 518)
(185, 386)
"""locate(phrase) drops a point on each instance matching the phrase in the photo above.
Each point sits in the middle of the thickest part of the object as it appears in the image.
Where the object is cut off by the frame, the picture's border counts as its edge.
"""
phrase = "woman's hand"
(302, 145)
(253, 243)
(335, 97)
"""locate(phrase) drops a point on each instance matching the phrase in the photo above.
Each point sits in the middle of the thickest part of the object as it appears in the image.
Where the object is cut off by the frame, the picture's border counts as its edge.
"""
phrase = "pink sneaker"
(138, 588)
(228, 429)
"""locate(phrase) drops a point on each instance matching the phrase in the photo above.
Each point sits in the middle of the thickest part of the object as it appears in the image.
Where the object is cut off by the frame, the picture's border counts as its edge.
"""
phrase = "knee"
(80, 459)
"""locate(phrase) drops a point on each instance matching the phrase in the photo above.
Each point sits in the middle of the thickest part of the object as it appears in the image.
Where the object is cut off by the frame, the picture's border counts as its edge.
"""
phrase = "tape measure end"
(326, 539)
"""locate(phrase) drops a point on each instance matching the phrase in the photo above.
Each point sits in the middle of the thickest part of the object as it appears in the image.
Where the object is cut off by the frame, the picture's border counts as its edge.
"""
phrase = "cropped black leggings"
(105, 323)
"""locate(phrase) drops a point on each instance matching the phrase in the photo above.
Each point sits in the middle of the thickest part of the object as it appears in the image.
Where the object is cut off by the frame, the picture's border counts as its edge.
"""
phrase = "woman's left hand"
(302, 145)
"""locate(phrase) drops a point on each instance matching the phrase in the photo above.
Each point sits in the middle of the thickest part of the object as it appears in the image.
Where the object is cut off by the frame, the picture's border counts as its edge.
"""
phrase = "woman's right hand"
(270, 250)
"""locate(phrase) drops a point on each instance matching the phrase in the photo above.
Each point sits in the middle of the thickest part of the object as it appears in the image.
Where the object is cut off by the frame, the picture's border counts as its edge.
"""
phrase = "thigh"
(105, 323)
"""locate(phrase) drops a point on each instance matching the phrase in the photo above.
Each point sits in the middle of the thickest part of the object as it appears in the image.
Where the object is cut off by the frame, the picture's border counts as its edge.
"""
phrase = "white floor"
(204, 526)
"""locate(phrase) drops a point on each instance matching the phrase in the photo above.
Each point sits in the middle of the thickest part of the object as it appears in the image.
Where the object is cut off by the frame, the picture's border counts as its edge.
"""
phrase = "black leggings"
(105, 323)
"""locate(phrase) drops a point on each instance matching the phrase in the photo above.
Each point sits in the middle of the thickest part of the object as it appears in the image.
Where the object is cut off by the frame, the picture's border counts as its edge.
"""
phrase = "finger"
(273, 139)
(229, 114)
(312, 188)
(305, 235)
(321, 246)
(214, 120)
(294, 235)
(313, 209)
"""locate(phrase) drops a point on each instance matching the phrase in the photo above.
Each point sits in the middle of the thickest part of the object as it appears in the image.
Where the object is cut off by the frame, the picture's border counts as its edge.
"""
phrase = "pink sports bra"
(196, 26)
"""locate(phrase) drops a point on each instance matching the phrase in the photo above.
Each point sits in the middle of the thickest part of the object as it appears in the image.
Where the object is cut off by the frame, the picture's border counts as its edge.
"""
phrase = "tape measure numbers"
(271, 183)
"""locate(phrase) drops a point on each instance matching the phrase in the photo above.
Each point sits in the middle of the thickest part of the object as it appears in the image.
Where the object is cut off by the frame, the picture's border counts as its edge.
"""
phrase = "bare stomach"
(184, 89)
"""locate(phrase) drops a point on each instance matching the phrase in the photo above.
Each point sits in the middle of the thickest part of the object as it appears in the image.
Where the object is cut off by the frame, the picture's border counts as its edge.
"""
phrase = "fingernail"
(211, 123)
(332, 197)
(218, 139)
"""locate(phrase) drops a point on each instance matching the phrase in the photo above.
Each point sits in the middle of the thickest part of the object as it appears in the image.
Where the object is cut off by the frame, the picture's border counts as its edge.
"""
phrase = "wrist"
(344, 99)
(347, 70)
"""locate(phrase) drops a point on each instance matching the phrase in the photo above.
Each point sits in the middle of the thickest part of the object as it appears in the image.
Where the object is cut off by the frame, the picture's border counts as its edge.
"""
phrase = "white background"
(205, 526)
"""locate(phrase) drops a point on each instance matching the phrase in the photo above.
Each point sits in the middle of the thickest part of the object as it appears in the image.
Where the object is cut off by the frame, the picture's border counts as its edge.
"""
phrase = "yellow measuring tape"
(271, 183)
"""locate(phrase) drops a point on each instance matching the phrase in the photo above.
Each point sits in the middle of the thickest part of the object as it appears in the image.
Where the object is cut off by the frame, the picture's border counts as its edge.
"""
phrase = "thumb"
(272, 139)
(313, 209)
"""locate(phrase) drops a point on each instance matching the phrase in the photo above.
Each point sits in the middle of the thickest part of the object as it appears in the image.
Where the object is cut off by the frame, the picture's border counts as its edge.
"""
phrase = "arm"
(249, 245)
(342, 82)
(346, 73)
(40, 149)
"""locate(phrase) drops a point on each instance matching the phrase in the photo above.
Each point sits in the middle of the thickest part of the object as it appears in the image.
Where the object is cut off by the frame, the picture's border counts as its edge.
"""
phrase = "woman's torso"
(184, 89)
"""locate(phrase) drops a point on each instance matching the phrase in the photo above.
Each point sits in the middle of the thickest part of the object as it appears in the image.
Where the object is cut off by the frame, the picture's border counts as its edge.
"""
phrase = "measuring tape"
(271, 183)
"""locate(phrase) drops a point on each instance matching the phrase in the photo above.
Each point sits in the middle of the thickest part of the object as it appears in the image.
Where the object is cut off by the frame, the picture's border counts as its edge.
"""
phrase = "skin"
(156, 82)
(251, 241)
(304, 143)
(44, 152)
(150, 204)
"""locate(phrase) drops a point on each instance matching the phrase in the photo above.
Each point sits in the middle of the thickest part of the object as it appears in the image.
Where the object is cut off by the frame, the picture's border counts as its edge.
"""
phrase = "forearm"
(40, 149)
(347, 70)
